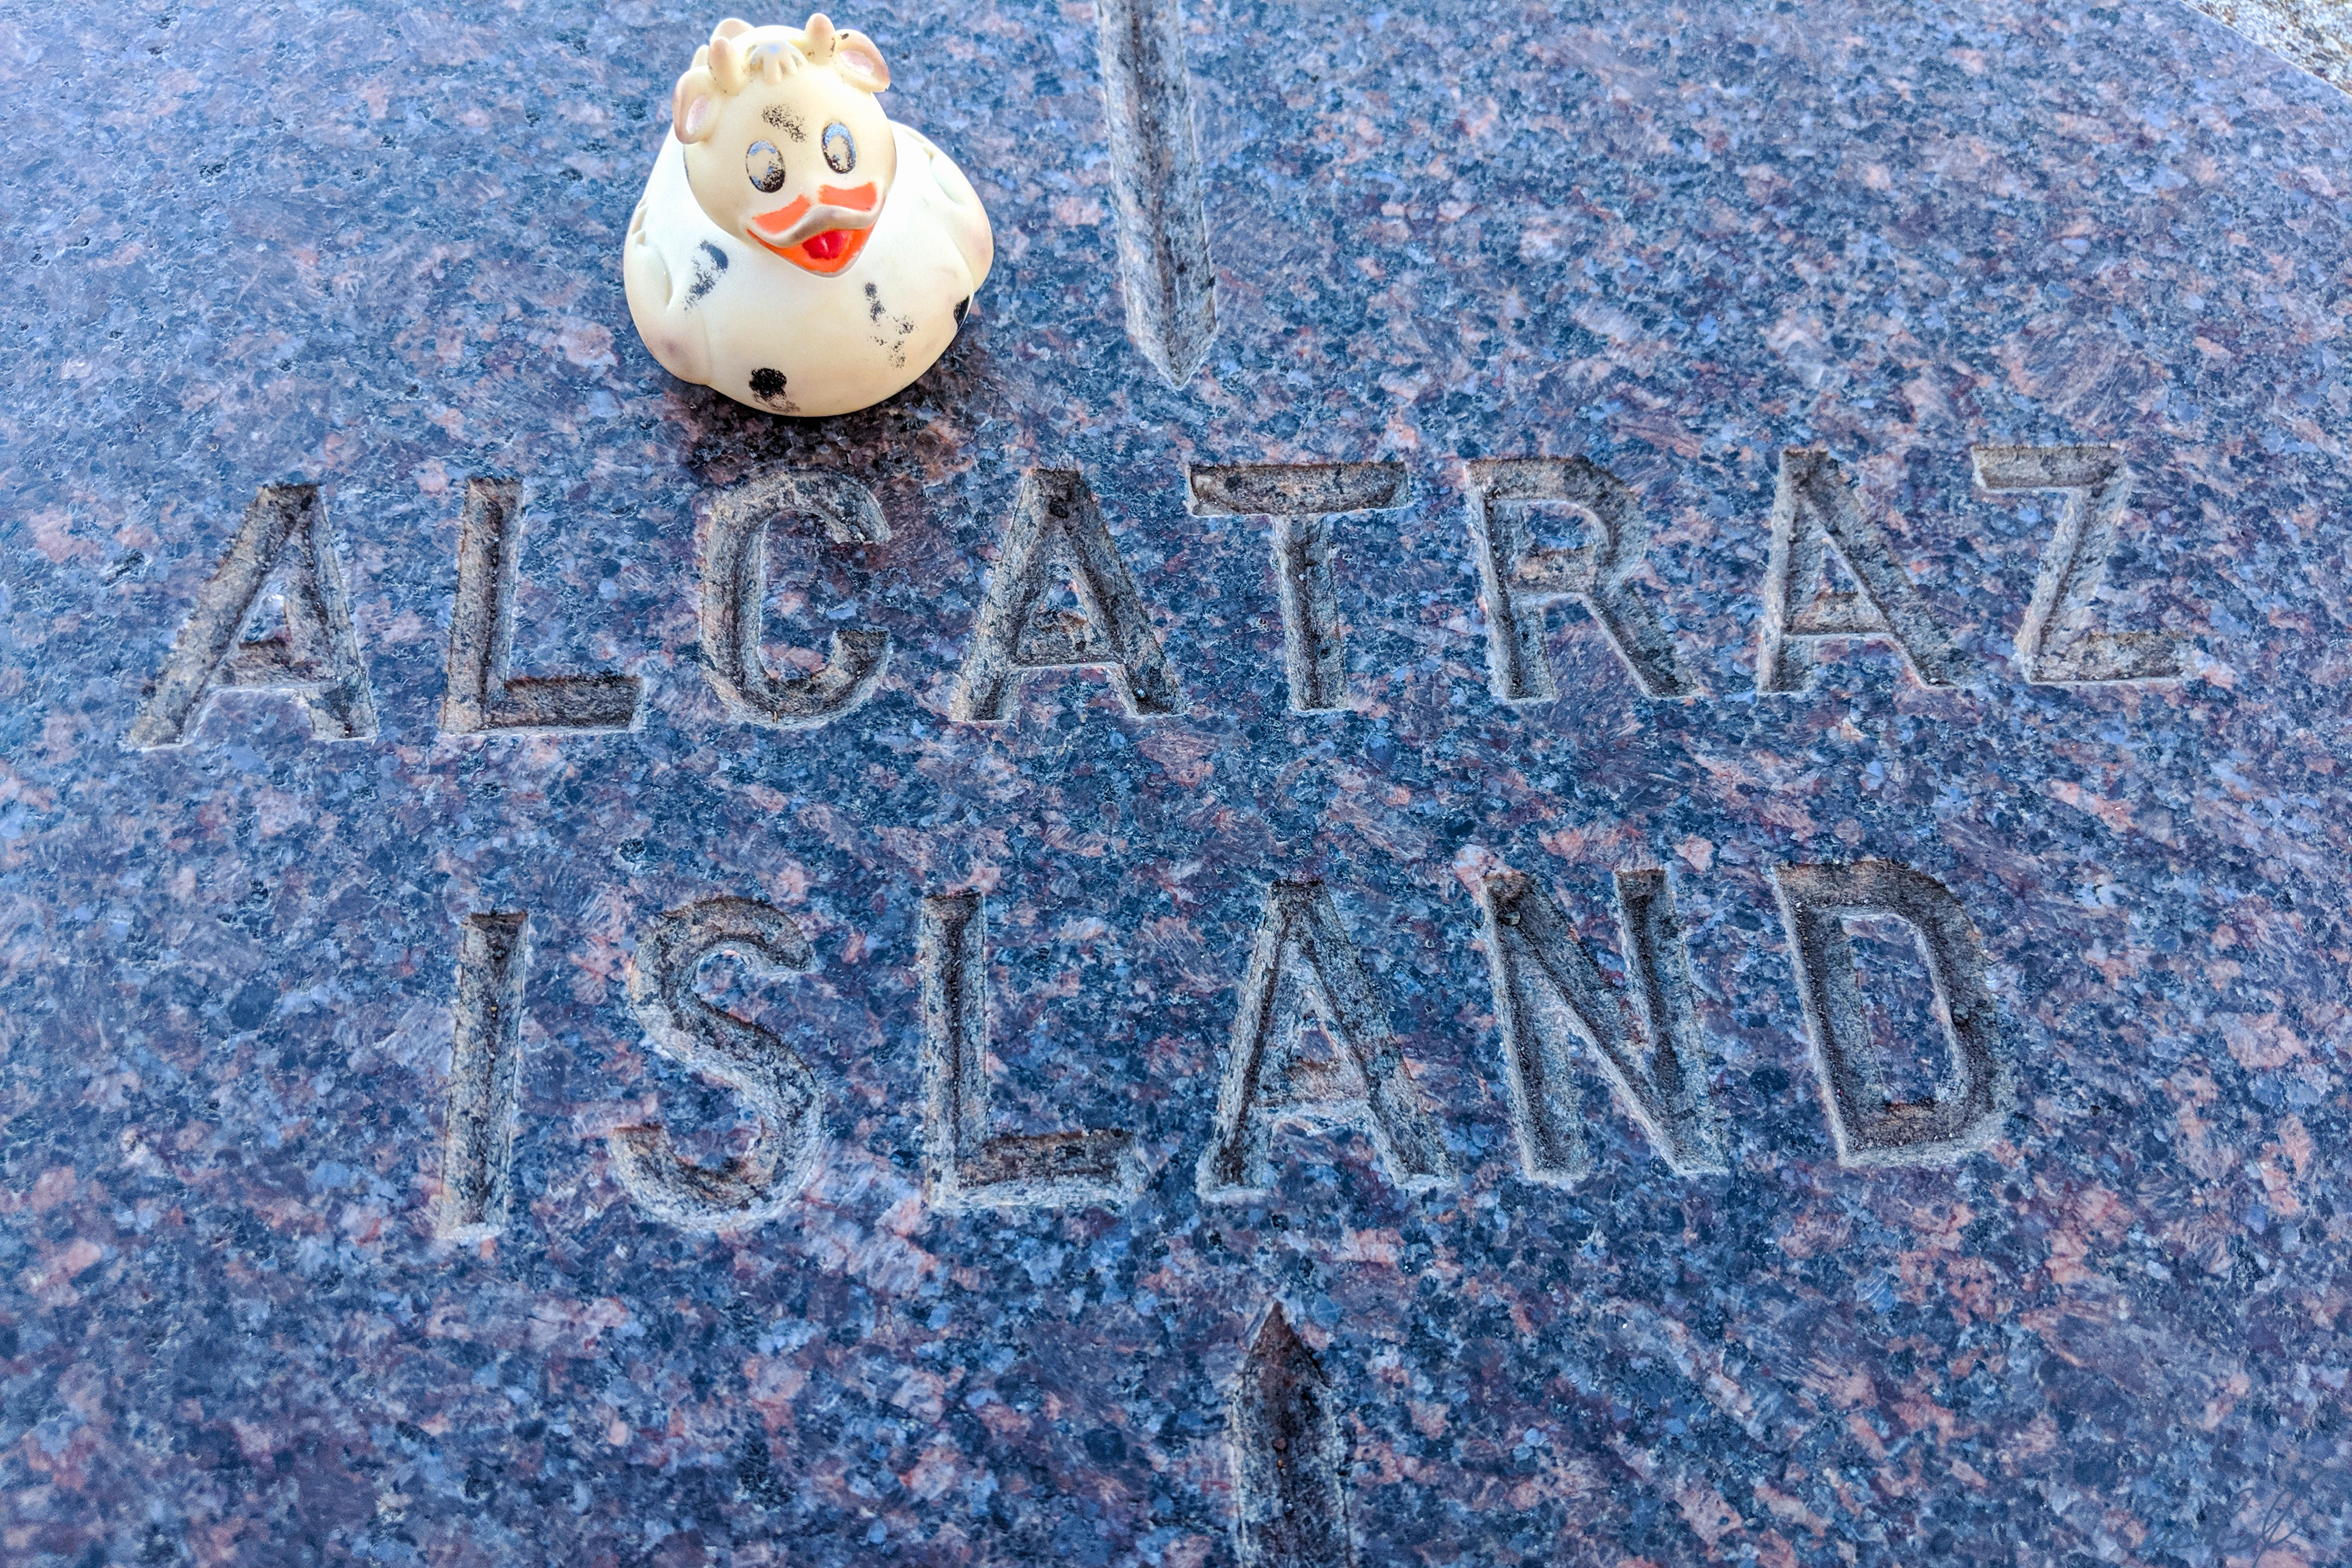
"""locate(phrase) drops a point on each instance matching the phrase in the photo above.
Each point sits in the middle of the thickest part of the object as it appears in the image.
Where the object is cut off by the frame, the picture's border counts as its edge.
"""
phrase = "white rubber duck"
(796, 248)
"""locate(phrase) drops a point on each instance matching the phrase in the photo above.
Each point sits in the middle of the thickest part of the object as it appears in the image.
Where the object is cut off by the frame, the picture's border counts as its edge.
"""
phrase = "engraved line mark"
(734, 591)
(315, 655)
(1521, 582)
(1057, 533)
(1546, 986)
(1300, 498)
(1290, 1509)
(1313, 644)
(1967, 1111)
(2058, 643)
(768, 1073)
(482, 694)
(1295, 489)
(485, 1078)
(965, 1166)
(1304, 964)
(1815, 511)
(1169, 283)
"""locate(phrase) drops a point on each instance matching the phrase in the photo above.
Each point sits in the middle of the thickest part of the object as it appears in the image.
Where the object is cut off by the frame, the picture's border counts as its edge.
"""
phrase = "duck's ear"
(858, 62)
(694, 106)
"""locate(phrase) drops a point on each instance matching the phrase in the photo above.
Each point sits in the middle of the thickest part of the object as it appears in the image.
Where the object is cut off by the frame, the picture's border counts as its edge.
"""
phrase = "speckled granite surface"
(373, 248)
(2314, 34)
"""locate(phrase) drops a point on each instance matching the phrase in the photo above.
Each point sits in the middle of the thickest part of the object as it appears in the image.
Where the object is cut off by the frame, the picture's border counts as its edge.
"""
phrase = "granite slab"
(2314, 34)
(1578, 799)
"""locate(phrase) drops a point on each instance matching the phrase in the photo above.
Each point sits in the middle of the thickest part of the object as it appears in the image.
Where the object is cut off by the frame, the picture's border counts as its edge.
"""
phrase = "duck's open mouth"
(824, 235)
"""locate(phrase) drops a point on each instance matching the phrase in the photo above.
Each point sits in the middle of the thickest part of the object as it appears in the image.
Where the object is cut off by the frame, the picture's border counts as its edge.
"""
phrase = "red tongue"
(828, 245)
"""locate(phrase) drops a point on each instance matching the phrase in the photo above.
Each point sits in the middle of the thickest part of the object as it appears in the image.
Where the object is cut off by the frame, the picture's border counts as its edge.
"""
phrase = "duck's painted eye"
(840, 150)
(764, 167)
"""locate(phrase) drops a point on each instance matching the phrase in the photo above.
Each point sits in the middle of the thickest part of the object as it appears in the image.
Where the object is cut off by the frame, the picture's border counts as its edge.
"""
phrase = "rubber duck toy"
(796, 248)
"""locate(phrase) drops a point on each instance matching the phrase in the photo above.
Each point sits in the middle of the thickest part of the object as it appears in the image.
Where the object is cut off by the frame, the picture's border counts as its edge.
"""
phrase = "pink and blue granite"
(371, 245)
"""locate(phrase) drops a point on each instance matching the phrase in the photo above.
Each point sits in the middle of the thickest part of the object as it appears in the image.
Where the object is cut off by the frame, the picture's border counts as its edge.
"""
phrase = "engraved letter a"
(1305, 968)
(315, 657)
(1057, 534)
(1814, 514)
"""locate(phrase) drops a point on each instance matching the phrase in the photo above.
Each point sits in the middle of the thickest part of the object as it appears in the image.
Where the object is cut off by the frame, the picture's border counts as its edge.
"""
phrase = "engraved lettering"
(735, 586)
(482, 695)
(1295, 489)
(1304, 964)
(485, 1078)
(1967, 1111)
(1301, 500)
(1289, 1454)
(2058, 643)
(758, 1186)
(1165, 272)
(1548, 987)
(314, 654)
(1521, 582)
(1314, 645)
(965, 1166)
(1814, 512)
(1057, 534)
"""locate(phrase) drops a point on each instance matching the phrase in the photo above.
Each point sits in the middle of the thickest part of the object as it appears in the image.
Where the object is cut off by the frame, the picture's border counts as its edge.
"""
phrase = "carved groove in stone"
(1165, 272)
(1303, 965)
(1290, 1456)
(767, 1072)
(1548, 987)
(1521, 583)
(1814, 510)
(485, 1078)
(2058, 643)
(734, 593)
(1295, 489)
(1314, 643)
(1967, 1110)
(482, 695)
(964, 1166)
(1301, 498)
(1057, 534)
(315, 656)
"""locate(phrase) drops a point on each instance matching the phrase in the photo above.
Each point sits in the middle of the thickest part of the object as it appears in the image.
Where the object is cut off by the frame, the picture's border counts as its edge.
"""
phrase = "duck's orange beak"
(824, 236)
